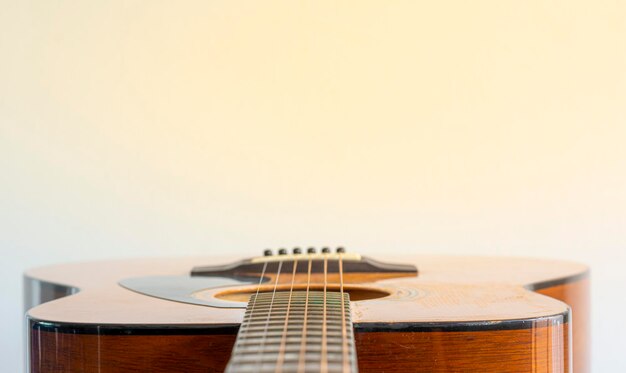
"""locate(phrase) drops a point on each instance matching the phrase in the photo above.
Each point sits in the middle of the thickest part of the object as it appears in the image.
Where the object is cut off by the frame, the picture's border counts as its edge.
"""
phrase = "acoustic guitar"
(309, 311)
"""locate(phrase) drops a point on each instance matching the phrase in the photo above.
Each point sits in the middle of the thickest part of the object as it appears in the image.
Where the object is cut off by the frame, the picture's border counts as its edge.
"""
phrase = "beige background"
(141, 128)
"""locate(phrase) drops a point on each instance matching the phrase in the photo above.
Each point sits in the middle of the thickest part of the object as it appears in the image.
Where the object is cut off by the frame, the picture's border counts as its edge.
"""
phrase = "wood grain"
(523, 350)
(537, 350)
(577, 296)
(485, 292)
(447, 288)
(533, 350)
(67, 352)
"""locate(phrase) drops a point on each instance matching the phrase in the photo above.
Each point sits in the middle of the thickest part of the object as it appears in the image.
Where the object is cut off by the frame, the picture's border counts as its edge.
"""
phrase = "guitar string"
(269, 315)
(243, 337)
(344, 337)
(283, 338)
(256, 295)
(323, 355)
(301, 360)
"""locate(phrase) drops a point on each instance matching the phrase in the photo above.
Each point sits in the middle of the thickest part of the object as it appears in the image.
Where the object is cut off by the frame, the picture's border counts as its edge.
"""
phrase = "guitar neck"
(295, 331)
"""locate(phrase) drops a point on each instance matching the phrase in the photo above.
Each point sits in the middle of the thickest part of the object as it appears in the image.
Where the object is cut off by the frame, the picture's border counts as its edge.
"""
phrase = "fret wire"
(343, 318)
(312, 341)
(279, 313)
(271, 358)
(301, 364)
(286, 347)
(331, 301)
(275, 334)
(277, 341)
(333, 350)
(260, 351)
(262, 308)
(296, 321)
(323, 356)
(256, 334)
(293, 311)
(293, 331)
(278, 323)
(283, 339)
(257, 292)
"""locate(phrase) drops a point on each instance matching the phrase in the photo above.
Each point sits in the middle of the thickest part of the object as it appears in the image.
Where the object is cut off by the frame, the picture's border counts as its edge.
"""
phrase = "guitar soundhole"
(242, 294)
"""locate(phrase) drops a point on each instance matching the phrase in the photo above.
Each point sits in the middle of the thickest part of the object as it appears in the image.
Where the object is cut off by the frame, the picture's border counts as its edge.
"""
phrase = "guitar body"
(454, 314)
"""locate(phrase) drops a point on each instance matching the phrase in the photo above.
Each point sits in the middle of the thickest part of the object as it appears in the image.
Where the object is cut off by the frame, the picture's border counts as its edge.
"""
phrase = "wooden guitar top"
(447, 289)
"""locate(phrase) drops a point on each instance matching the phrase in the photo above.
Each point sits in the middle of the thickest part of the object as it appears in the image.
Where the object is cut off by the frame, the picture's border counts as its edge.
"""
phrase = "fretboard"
(298, 332)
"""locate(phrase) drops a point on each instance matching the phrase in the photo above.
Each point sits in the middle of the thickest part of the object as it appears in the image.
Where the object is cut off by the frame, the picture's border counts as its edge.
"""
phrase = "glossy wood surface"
(577, 295)
(446, 289)
(459, 315)
(537, 349)
(526, 350)
(68, 352)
